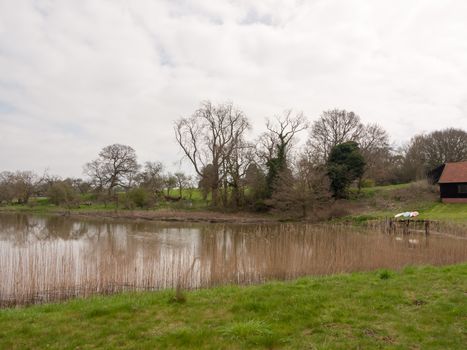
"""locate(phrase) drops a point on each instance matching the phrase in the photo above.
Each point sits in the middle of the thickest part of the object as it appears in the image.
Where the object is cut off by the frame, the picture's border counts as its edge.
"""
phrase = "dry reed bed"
(116, 258)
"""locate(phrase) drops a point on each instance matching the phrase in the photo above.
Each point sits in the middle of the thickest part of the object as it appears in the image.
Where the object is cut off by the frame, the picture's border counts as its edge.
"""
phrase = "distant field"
(418, 308)
(193, 194)
(388, 205)
(375, 189)
(192, 200)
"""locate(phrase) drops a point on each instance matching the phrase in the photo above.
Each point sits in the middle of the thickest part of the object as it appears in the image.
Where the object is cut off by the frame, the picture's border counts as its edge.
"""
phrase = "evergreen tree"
(345, 165)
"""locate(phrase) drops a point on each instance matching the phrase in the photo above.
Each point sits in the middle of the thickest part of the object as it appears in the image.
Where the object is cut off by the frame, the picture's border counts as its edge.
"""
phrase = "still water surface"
(45, 258)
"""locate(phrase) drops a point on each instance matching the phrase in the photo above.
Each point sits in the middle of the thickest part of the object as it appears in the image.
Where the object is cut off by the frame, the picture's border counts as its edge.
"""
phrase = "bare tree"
(237, 165)
(427, 151)
(63, 193)
(283, 130)
(24, 185)
(336, 126)
(255, 181)
(332, 128)
(278, 141)
(80, 185)
(266, 147)
(183, 181)
(97, 174)
(151, 179)
(115, 166)
(442, 146)
(191, 185)
(209, 137)
(170, 181)
(206, 180)
(374, 146)
(301, 192)
(7, 194)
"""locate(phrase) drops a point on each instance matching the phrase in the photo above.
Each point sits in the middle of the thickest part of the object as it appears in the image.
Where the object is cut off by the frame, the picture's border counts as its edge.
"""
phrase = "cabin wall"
(449, 193)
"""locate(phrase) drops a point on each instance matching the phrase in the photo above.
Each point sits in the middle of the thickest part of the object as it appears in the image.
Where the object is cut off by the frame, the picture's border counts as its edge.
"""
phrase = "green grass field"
(429, 209)
(405, 197)
(442, 211)
(417, 308)
(377, 190)
(192, 200)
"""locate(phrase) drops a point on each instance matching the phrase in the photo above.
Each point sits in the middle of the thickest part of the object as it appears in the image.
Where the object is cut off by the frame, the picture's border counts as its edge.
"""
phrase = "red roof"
(454, 172)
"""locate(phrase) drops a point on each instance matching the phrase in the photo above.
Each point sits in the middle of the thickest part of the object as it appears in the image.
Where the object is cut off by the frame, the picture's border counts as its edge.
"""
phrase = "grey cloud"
(77, 75)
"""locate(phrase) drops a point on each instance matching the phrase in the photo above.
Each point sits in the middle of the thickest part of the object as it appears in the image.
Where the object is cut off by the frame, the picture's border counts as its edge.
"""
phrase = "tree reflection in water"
(54, 258)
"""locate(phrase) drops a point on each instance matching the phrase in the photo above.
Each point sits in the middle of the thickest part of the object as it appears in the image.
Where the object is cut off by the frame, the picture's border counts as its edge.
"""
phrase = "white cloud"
(78, 75)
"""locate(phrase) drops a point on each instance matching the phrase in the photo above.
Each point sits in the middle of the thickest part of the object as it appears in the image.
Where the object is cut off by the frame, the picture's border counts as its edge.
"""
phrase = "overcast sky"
(78, 75)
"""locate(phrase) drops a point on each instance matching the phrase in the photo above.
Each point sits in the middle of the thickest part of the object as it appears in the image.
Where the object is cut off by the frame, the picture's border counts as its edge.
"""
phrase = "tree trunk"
(235, 195)
(215, 196)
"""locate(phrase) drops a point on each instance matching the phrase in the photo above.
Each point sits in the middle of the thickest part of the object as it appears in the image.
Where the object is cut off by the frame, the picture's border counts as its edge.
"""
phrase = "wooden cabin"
(453, 183)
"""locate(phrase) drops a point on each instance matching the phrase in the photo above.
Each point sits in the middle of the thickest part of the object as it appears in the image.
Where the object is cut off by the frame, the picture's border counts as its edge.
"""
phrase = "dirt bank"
(168, 215)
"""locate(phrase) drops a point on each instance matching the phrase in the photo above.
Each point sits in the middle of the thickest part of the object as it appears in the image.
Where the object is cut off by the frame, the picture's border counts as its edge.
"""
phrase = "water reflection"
(49, 258)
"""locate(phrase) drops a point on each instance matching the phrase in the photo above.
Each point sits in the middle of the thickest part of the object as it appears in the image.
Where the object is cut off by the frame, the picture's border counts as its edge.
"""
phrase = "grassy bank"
(386, 201)
(418, 308)
(369, 203)
(428, 211)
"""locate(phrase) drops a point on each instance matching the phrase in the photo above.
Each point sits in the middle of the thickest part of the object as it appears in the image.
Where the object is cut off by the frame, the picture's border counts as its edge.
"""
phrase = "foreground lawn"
(418, 308)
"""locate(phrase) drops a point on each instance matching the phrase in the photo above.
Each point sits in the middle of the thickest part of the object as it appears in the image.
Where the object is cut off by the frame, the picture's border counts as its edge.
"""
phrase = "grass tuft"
(179, 296)
(253, 332)
(384, 275)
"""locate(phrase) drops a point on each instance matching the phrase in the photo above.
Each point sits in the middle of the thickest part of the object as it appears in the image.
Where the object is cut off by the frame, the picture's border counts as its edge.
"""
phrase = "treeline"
(233, 171)
(273, 172)
(113, 177)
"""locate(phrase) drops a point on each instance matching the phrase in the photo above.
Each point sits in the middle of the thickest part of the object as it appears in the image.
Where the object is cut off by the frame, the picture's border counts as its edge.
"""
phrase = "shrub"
(417, 191)
(260, 206)
(339, 209)
(62, 193)
(368, 183)
(384, 275)
(139, 197)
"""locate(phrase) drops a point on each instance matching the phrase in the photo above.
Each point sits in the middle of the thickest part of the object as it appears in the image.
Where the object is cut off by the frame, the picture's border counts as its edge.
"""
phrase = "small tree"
(62, 193)
(139, 197)
(338, 126)
(152, 180)
(170, 182)
(115, 167)
(279, 139)
(345, 165)
(300, 193)
(183, 181)
(428, 151)
(7, 194)
(206, 179)
(334, 127)
(19, 186)
(255, 182)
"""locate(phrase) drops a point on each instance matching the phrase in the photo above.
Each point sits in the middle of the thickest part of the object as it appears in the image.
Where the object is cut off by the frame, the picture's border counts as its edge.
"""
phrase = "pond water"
(44, 258)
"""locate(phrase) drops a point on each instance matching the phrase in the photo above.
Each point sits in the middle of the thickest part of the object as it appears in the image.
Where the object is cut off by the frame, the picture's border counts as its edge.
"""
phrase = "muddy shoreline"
(164, 215)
